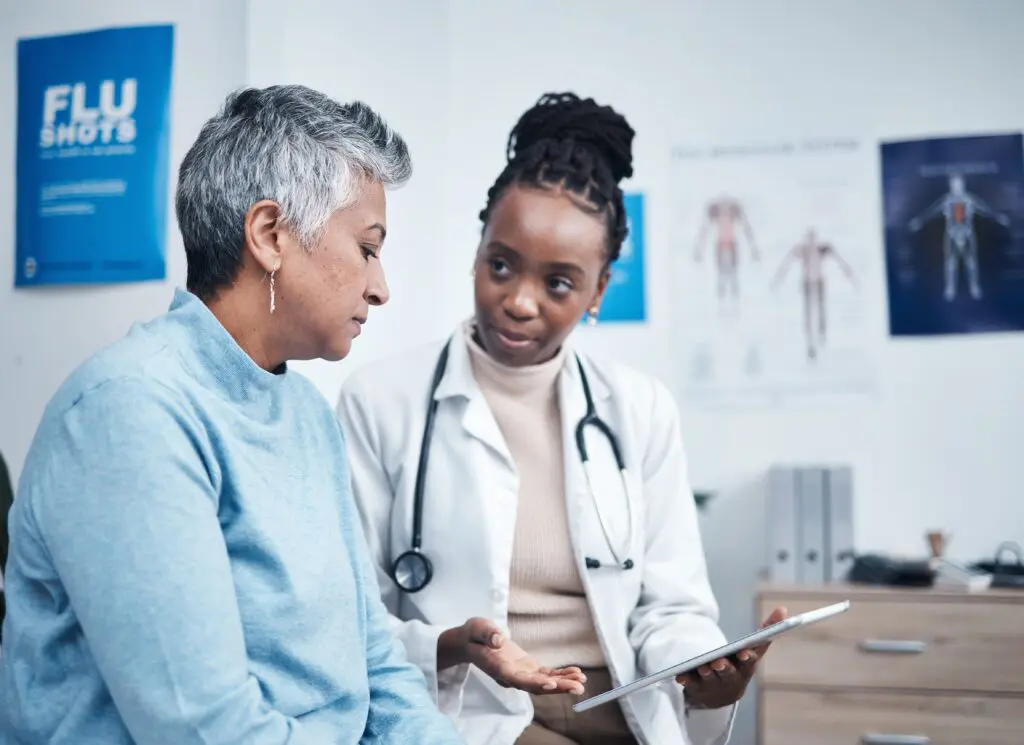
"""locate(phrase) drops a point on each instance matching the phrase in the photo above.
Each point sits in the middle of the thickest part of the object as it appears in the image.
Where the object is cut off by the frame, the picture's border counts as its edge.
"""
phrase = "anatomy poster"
(954, 234)
(774, 243)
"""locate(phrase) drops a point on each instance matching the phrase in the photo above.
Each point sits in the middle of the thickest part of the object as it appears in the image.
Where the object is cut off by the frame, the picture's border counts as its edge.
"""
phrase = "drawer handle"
(879, 739)
(892, 646)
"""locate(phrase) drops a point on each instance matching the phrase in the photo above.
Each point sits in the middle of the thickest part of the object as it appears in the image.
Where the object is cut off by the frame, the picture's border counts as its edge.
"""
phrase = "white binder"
(839, 523)
(810, 485)
(781, 525)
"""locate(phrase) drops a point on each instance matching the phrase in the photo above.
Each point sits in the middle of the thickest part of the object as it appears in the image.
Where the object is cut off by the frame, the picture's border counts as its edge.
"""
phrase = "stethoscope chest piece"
(412, 571)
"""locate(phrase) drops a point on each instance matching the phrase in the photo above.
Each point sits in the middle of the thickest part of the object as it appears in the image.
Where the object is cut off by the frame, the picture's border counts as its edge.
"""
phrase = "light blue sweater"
(187, 566)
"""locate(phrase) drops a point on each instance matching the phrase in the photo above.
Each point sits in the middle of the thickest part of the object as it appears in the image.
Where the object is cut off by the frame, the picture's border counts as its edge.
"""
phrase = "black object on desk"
(1009, 575)
(875, 569)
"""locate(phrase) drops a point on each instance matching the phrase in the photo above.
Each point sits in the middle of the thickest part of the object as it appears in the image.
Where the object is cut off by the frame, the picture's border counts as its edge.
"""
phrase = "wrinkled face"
(542, 263)
(324, 295)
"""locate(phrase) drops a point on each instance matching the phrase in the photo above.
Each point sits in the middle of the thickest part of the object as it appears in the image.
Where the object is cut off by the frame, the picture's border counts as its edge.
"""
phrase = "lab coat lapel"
(573, 406)
(477, 419)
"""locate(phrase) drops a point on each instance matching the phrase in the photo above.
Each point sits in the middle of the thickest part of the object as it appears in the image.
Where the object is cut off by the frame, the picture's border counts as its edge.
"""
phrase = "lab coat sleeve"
(677, 616)
(374, 497)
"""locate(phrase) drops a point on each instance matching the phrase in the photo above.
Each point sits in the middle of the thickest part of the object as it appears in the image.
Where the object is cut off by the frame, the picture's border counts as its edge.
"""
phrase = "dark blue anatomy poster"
(954, 234)
(93, 120)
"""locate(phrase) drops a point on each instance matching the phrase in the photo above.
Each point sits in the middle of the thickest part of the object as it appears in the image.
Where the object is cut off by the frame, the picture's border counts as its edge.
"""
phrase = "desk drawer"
(838, 718)
(901, 644)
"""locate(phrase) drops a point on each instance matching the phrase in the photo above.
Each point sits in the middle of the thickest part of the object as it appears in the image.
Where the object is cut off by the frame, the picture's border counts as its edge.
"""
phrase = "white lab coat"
(660, 612)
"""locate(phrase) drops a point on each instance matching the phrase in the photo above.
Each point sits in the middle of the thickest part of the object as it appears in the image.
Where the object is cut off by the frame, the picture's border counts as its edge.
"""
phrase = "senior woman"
(186, 564)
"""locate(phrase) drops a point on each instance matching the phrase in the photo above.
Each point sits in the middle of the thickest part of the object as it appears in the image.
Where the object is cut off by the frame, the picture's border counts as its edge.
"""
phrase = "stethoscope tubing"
(590, 418)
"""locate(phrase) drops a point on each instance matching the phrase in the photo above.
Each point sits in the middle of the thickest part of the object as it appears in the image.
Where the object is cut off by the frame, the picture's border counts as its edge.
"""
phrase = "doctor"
(542, 494)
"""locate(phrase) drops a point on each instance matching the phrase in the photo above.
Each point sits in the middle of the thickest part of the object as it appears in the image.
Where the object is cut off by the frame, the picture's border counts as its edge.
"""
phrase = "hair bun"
(565, 117)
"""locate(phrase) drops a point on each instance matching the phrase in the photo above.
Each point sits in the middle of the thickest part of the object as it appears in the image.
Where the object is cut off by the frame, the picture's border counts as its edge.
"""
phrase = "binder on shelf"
(781, 525)
(839, 523)
(810, 495)
(809, 524)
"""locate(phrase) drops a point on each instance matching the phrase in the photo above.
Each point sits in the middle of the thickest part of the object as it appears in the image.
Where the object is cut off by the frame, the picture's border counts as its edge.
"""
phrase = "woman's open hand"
(480, 642)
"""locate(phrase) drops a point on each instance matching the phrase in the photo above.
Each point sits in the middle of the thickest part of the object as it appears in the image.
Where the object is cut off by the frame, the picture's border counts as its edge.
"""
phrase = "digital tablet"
(747, 642)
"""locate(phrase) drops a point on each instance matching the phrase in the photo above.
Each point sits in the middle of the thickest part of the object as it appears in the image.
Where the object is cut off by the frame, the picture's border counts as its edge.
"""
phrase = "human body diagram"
(958, 208)
(725, 217)
(812, 253)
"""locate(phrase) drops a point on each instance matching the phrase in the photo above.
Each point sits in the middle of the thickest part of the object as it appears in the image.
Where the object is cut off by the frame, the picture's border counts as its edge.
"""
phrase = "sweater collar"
(493, 375)
(212, 354)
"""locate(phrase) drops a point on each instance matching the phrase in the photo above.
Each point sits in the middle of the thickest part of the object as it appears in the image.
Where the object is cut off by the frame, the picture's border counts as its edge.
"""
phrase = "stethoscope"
(413, 570)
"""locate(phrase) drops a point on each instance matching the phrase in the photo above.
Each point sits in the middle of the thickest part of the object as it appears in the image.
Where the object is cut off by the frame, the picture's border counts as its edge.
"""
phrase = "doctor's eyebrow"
(503, 247)
(565, 267)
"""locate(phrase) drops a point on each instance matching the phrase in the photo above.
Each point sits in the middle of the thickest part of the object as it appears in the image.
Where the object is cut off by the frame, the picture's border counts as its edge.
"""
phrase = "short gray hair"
(287, 143)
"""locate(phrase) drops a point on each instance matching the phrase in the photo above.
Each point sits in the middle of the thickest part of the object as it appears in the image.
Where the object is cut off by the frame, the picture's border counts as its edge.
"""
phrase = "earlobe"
(263, 234)
(595, 305)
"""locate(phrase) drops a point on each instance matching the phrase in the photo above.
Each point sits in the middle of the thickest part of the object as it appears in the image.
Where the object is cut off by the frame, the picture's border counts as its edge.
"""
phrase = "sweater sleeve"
(125, 506)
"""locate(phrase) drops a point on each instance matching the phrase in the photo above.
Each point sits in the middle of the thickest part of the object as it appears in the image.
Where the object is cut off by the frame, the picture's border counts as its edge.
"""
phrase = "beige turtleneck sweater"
(548, 614)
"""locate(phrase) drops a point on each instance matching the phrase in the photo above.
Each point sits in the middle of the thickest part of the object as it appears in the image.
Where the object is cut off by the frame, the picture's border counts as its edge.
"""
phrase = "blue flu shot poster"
(93, 123)
(625, 298)
(954, 234)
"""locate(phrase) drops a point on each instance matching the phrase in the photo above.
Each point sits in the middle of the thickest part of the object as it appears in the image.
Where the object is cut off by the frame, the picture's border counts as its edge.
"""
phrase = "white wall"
(46, 332)
(936, 445)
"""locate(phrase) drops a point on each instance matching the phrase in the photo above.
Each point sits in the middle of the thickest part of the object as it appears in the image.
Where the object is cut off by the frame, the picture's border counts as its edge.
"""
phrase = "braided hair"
(567, 142)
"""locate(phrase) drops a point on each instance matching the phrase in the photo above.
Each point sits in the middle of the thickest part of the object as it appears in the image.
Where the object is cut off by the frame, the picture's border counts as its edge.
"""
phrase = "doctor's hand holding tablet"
(724, 681)
(719, 677)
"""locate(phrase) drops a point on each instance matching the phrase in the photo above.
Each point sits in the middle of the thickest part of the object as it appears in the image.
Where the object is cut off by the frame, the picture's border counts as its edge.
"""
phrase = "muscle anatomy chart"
(779, 310)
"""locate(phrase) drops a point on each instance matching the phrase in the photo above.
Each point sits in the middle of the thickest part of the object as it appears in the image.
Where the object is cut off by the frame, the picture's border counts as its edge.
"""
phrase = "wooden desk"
(901, 667)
